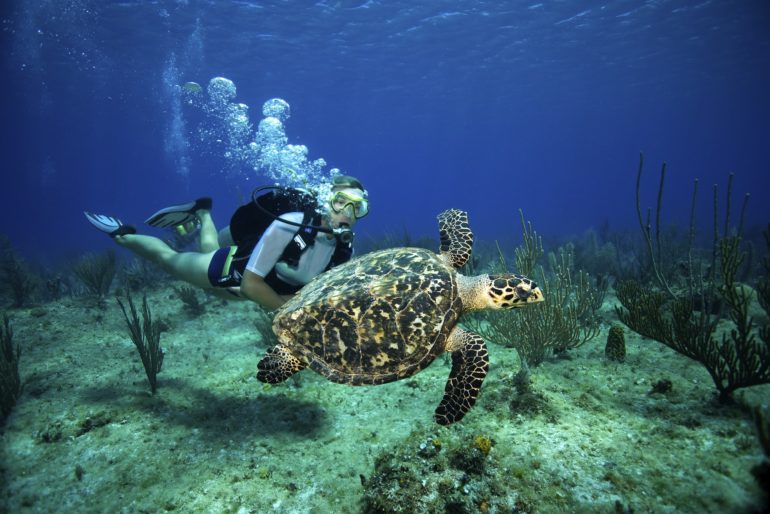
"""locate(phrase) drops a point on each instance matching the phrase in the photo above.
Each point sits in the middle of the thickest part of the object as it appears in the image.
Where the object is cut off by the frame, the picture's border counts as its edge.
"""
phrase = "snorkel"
(343, 233)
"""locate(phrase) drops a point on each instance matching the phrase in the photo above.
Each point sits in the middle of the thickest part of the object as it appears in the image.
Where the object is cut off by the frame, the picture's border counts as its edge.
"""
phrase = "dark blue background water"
(486, 106)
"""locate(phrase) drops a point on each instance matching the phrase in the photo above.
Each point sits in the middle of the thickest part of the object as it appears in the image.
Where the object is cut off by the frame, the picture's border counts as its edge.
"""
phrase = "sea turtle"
(388, 314)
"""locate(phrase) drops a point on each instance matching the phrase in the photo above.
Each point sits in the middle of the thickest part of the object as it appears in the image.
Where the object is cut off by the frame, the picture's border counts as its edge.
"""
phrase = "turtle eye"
(522, 292)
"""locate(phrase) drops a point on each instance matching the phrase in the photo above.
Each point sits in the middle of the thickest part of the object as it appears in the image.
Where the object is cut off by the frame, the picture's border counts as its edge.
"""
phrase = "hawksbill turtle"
(388, 314)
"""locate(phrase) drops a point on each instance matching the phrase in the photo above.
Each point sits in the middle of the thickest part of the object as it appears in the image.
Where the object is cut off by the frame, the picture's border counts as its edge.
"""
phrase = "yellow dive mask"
(340, 200)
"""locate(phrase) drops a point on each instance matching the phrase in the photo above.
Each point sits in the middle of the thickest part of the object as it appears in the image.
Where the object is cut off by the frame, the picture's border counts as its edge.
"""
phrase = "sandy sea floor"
(86, 435)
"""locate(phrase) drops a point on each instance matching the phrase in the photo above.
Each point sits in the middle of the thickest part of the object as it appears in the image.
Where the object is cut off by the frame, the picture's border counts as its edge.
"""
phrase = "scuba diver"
(273, 246)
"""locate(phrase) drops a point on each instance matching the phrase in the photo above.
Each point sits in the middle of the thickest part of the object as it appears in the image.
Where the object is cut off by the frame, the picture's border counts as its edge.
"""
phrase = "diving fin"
(178, 214)
(109, 225)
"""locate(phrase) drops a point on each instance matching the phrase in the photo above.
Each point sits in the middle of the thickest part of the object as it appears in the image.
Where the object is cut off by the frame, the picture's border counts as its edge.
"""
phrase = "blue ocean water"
(489, 106)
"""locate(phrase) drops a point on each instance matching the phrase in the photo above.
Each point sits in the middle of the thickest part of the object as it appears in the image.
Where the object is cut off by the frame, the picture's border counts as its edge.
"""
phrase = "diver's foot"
(179, 214)
(109, 225)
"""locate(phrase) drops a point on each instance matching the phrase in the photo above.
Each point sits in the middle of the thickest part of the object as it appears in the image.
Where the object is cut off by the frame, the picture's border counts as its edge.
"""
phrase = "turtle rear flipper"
(456, 237)
(277, 365)
(470, 363)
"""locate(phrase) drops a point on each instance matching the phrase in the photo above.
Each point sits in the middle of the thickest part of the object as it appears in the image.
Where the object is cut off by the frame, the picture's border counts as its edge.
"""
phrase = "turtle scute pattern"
(375, 319)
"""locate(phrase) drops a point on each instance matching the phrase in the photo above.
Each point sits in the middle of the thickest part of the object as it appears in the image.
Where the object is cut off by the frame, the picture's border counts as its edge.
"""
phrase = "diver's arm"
(263, 259)
(257, 290)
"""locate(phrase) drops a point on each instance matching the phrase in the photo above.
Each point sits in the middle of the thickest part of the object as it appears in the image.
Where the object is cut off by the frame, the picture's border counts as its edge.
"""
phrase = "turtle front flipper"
(456, 237)
(470, 363)
(277, 365)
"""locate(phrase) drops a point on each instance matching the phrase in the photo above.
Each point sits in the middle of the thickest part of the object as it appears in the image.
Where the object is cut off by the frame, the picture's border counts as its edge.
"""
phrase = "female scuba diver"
(274, 245)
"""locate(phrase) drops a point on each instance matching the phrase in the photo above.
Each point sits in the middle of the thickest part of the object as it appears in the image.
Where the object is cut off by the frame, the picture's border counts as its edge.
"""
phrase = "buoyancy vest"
(249, 223)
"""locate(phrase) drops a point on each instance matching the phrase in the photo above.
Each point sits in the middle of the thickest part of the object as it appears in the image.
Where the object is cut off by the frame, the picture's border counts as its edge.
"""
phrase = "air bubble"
(221, 91)
(276, 108)
(264, 151)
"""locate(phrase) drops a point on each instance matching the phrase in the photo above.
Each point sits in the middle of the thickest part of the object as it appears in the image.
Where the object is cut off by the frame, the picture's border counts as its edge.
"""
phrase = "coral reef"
(96, 272)
(575, 435)
(526, 400)
(15, 276)
(762, 470)
(56, 286)
(10, 382)
(662, 386)
(566, 320)
(615, 349)
(763, 288)
(146, 337)
(734, 360)
(86, 436)
(140, 274)
(189, 297)
(432, 475)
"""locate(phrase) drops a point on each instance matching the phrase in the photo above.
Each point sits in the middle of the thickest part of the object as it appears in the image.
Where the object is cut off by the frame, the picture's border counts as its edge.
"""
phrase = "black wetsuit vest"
(249, 223)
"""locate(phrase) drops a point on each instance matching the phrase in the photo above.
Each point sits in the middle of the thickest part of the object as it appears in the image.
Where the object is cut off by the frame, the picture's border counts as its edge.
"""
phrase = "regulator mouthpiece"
(343, 233)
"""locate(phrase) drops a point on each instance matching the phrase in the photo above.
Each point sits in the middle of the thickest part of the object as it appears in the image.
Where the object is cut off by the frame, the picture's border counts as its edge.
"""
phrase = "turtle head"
(510, 291)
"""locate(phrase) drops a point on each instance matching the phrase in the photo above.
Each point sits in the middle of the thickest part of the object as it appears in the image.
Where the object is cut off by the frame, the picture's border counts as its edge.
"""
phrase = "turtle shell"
(375, 319)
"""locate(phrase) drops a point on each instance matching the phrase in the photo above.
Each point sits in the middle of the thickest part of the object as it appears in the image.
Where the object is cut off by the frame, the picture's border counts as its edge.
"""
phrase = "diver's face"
(346, 206)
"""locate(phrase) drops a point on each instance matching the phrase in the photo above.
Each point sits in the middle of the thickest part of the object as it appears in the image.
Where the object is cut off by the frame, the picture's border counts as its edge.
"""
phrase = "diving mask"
(340, 200)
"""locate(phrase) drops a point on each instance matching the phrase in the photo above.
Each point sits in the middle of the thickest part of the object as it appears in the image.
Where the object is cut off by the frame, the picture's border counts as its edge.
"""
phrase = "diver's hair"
(343, 181)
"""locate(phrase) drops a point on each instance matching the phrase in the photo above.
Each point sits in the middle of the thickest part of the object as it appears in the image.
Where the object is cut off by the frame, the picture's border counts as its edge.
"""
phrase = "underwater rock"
(662, 386)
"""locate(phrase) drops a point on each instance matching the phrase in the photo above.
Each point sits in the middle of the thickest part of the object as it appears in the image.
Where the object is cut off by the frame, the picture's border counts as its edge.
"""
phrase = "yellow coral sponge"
(483, 443)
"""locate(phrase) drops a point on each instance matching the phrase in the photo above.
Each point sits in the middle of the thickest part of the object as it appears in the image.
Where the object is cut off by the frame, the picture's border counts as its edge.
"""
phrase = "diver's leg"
(148, 247)
(225, 238)
(208, 232)
(192, 267)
